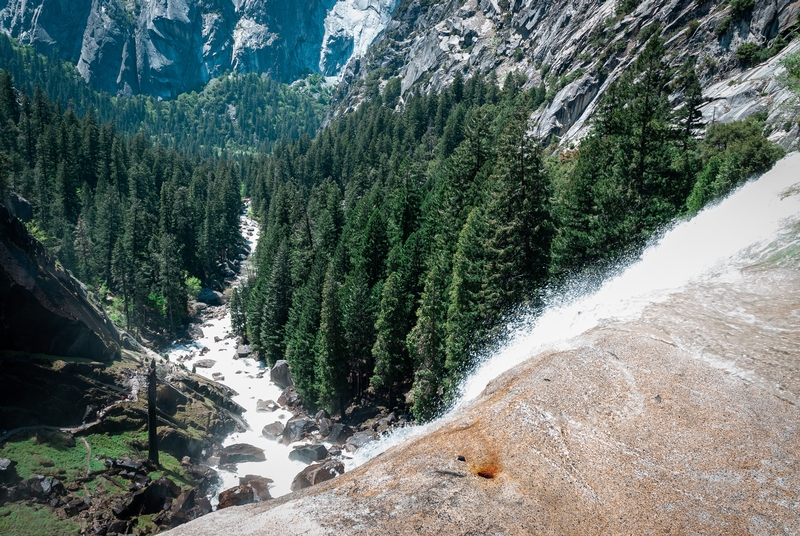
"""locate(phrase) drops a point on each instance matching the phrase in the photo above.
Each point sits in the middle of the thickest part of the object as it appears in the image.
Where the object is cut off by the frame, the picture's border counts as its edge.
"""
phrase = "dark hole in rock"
(461, 459)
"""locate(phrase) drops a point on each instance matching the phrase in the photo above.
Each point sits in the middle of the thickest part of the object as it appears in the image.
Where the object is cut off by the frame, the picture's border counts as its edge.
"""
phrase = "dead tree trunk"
(152, 436)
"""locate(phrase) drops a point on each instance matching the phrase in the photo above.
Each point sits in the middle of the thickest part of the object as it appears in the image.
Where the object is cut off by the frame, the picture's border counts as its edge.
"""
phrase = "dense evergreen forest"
(397, 245)
(233, 114)
(135, 220)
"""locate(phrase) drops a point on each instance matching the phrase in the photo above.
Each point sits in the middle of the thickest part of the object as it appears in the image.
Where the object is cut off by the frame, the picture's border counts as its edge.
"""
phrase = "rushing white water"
(709, 246)
(250, 380)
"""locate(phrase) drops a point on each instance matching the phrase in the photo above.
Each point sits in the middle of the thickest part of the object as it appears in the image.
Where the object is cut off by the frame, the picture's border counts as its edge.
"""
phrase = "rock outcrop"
(43, 309)
(168, 47)
(577, 48)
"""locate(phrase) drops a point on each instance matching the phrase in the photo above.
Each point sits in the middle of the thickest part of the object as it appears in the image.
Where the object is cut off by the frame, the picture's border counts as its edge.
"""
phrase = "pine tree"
(277, 303)
(330, 350)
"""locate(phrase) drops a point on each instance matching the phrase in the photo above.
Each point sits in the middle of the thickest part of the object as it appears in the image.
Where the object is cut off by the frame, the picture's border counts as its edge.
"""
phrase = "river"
(249, 378)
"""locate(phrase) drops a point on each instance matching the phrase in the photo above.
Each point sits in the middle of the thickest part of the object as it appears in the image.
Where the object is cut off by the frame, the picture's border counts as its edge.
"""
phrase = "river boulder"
(309, 453)
(259, 485)
(358, 440)
(280, 374)
(266, 406)
(297, 427)
(209, 296)
(205, 363)
(241, 452)
(339, 434)
(236, 496)
(317, 473)
(273, 431)
(289, 398)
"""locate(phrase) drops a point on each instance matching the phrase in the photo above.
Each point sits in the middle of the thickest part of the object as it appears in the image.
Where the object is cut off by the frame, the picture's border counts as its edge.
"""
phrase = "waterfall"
(749, 224)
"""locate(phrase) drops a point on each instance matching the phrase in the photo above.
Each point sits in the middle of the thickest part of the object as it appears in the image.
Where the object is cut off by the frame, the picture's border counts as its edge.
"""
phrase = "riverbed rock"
(314, 474)
(280, 374)
(241, 452)
(209, 296)
(266, 406)
(358, 440)
(324, 426)
(259, 484)
(289, 398)
(273, 431)
(243, 350)
(297, 427)
(236, 496)
(308, 453)
(205, 363)
(218, 377)
(339, 434)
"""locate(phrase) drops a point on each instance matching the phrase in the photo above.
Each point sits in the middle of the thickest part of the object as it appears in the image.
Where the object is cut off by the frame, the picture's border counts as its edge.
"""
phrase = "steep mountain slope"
(577, 48)
(167, 47)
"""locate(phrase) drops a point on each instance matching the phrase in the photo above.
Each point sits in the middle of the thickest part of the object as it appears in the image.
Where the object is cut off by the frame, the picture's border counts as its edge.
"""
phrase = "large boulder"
(273, 431)
(236, 496)
(243, 350)
(297, 428)
(259, 485)
(280, 374)
(358, 440)
(289, 398)
(266, 406)
(339, 434)
(209, 296)
(309, 453)
(314, 474)
(205, 363)
(241, 452)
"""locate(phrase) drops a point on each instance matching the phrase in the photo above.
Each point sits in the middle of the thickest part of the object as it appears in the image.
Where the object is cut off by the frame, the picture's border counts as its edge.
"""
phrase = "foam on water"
(710, 245)
(242, 375)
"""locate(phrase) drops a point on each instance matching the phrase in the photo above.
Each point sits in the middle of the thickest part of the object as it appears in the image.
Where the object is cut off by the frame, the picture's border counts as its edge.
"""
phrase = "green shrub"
(193, 286)
(741, 7)
(748, 53)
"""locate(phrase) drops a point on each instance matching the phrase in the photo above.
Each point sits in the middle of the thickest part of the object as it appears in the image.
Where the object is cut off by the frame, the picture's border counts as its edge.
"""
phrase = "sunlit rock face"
(350, 27)
(165, 47)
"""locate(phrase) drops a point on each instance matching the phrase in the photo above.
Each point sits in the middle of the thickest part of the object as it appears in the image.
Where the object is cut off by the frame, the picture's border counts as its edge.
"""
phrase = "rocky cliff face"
(42, 308)
(578, 47)
(166, 47)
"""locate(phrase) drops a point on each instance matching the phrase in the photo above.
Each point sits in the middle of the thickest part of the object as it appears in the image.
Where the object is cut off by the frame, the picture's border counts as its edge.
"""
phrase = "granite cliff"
(577, 48)
(167, 47)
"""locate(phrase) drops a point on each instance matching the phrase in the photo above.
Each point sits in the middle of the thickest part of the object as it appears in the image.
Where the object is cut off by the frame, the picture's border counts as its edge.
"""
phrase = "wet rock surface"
(659, 422)
(317, 473)
(241, 452)
(280, 374)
